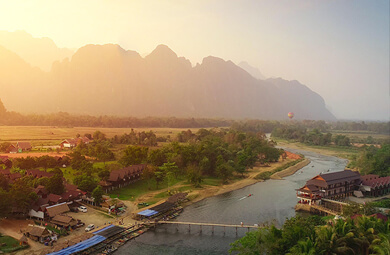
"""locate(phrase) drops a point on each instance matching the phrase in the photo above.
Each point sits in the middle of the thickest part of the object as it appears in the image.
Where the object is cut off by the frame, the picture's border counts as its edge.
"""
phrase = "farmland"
(52, 135)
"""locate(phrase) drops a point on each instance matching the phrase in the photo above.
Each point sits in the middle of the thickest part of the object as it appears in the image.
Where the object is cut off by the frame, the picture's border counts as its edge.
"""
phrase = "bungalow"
(37, 233)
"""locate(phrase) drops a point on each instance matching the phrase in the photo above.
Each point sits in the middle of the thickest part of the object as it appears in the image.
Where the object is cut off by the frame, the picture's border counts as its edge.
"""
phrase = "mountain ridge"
(106, 79)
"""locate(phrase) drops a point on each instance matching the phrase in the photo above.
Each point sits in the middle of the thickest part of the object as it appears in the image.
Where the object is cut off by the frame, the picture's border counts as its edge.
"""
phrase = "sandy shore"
(291, 170)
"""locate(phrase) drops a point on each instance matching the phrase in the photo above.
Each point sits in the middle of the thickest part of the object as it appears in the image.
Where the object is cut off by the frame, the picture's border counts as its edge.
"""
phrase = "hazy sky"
(338, 48)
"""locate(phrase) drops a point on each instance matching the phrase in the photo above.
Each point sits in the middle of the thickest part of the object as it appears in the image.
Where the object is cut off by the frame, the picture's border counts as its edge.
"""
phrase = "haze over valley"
(109, 80)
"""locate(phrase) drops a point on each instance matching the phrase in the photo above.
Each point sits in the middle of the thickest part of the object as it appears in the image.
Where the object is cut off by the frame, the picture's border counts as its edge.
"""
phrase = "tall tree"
(97, 194)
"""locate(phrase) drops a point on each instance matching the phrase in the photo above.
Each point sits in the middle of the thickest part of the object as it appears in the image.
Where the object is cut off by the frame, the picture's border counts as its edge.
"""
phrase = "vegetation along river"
(272, 201)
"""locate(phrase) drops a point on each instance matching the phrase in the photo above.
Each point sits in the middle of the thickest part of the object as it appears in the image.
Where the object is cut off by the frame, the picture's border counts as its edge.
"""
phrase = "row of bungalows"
(342, 184)
(73, 142)
(19, 147)
(122, 177)
(372, 185)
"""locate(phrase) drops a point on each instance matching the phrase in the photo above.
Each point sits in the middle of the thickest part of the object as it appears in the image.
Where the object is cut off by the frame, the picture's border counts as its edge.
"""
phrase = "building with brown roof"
(64, 221)
(54, 210)
(122, 177)
(36, 173)
(373, 185)
(41, 191)
(330, 185)
(19, 147)
(37, 233)
(4, 160)
(73, 142)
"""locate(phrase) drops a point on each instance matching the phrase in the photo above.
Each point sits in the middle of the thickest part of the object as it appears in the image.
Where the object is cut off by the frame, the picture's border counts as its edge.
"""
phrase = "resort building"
(122, 177)
(334, 185)
(373, 185)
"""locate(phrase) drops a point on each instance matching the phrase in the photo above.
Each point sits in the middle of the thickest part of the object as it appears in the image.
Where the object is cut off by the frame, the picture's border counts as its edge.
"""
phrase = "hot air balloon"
(291, 115)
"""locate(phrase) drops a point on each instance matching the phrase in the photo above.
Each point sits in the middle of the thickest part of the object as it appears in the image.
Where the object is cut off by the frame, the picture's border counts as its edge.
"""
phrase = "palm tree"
(381, 245)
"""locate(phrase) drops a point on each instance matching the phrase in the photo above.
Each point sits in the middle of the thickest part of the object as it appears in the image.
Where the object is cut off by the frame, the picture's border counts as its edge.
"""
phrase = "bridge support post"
(236, 230)
(224, 228)
(200, 226)
(248, 230)
(189, 227)
(212, 229)
(177, 227)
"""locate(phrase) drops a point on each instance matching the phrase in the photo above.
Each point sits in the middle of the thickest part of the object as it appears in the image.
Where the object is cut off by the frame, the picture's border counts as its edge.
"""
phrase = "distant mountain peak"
(255, 72)
(162, 51)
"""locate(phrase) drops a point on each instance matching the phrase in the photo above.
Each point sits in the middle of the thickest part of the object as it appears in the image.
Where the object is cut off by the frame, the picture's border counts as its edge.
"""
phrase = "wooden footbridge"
(201, 225)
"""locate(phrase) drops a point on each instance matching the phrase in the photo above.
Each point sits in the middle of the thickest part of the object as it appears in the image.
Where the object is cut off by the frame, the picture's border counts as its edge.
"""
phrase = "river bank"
(197, 195)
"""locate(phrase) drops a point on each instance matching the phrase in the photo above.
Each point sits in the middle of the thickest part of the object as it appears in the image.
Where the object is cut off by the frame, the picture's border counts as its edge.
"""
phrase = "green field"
(43, 136)
(11, 244)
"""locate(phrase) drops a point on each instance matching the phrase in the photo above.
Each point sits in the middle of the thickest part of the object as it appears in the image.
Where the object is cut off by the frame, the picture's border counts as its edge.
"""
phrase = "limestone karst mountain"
(106, 79)
(39, 52)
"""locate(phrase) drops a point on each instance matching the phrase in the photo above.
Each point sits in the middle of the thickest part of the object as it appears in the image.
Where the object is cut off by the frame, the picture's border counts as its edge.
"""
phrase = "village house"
(64, 221)
(37, 233)
(330, 185)
(122, 177)
(19, 147)
(4, 160)
(73, 142)
(36, 173)
(57, 209)
(11, 177)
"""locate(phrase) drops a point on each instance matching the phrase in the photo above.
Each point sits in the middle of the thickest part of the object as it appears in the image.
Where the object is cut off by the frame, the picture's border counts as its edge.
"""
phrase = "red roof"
(38, 173)
(126, 172)
(70, 194)
(41, 189)
(380, 216)
(54, 198)
(69, 186)
(381, 181)
(24, 145)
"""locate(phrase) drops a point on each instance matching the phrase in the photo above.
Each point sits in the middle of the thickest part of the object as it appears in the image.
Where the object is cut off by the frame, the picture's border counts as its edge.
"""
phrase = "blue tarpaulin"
(148, 213)
(80, 246)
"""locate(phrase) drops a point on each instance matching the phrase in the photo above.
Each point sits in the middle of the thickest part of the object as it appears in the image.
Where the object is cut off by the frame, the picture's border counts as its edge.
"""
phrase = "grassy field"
(359, 134)
(332, 150)
(11, 244)
(52, 135)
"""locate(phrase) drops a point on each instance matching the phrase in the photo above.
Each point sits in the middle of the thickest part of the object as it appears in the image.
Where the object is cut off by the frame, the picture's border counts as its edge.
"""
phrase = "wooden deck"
(324, 209)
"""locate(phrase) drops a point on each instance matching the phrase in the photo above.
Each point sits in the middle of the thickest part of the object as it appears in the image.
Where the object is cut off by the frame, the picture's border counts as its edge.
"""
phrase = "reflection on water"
(272, 201)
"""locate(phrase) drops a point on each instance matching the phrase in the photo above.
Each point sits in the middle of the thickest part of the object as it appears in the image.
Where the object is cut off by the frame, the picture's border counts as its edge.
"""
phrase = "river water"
(272, 201)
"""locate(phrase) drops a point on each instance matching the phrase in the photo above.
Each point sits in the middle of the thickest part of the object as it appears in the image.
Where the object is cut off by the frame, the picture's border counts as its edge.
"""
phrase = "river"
(272, 201)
